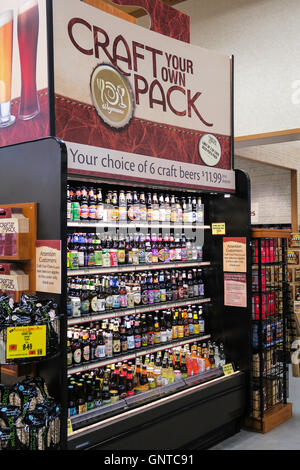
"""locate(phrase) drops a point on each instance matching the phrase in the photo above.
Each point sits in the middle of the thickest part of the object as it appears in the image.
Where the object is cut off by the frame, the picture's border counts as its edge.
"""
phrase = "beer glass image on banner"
(24, 86)
(6, 54)
(28, 31)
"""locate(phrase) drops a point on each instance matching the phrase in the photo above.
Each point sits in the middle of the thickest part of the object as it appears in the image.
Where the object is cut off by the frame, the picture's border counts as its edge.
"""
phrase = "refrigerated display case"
(211, 401)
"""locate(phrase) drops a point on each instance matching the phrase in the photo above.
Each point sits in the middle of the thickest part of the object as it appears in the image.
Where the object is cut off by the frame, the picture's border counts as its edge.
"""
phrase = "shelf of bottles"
(136, 291)
(269, 373)
(133, 381)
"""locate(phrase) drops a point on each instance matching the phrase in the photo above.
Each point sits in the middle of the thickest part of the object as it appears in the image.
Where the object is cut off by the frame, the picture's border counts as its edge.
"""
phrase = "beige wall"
(274, 207)
(263, 35)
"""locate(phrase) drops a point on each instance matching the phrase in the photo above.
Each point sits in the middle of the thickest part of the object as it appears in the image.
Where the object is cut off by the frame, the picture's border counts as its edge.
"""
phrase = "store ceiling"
(139, 12)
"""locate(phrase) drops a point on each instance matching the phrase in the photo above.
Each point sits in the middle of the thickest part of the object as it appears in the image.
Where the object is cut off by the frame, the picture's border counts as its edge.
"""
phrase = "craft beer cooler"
(193, 417)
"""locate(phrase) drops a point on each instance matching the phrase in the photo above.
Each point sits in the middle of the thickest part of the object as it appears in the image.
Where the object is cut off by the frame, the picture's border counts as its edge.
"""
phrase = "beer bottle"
(123, 334)
(174, 326)
(84, 207)
(137, 335)
(105, 393)
(86, 349)
(100, 352)
(122, 207)
(173, 215)
(157, 331)
(183, 367)
(180, 327)
(149, 208)
(162, 209)
(129, 383)
(116, 340)
(72, 409)
(69, 205)
(155, 208)
(167, 208)
(80, 402)
(115, 207)
(142, 207)
(92, 205)
(130, 337)
(76, 205)
(144, 384)
(200, 212)
(100, 206)
(144, 336)
(150, 330)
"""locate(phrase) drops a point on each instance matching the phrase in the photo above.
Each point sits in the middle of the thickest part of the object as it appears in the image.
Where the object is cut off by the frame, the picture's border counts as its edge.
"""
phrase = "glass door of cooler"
(139, 300)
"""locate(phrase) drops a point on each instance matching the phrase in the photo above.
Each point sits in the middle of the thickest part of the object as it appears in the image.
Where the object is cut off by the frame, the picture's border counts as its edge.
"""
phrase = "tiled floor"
(283, 437)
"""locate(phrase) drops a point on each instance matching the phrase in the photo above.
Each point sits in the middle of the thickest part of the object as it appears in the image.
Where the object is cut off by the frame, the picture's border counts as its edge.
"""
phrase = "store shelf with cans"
(136, 267)
(137, 353)
(109, 314)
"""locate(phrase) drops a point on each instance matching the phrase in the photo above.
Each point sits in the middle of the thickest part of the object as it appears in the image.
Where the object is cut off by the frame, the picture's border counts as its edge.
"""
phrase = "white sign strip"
(119, 164)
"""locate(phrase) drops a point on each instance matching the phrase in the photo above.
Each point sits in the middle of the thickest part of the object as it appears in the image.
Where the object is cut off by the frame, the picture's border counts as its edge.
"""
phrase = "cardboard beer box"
(14, 234)
(13, 281)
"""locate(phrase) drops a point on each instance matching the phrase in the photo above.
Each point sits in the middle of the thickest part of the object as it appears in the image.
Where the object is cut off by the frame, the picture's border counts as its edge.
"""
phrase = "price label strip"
(228, 369)
(25, 342)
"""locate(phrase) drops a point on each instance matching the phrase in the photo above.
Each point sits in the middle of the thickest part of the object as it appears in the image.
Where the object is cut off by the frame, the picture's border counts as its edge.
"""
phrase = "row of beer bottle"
(105, 386)
(122, 335)
(90, 203)
(92, 250)
(88, 295)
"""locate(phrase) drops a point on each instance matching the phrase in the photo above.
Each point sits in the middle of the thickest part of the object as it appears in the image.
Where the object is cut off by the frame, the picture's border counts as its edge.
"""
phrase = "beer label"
(122, 214)
(130, 342)
(196, 328)
(123, 300)
(77, 356)
(86, 353)
(81, 409)
(116, 301)
(106, 258)
(85, 306)
(121, 256)
(100, 212)
(150, 296)
(84, 212)
(92, 212)
(150, 339)
(116, 346)
(100, 351)
(137, 341)
(157, 337)
(142, 256)
(76, 306)
(94, 304)
(124, 345)
(71, 412)
(90, 405)
(69, 211)
(148, 256)
(155, 255)
(98, 258)
(100, 305)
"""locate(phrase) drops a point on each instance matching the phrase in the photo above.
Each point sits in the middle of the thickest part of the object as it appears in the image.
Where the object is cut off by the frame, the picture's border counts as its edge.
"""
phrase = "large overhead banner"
(125, 89)
(24, 104)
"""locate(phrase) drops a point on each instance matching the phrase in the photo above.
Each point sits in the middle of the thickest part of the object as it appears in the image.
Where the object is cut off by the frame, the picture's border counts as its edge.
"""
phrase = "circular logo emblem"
(210, 150)
(112, 96)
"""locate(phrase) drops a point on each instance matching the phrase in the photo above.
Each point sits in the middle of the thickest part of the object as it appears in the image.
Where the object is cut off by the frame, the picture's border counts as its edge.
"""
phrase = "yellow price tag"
(70, 427)
(228, 369)
(23, 342)
(218, 229)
